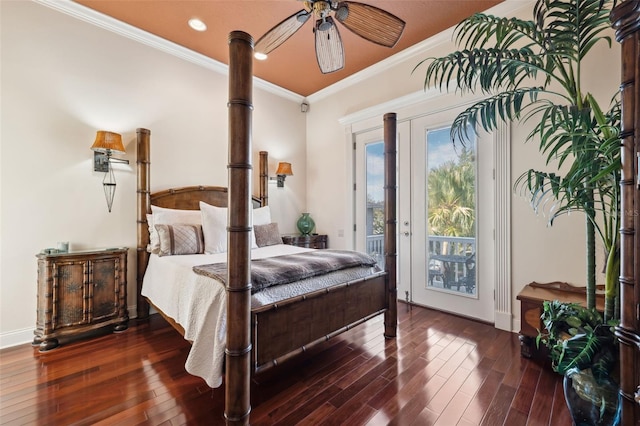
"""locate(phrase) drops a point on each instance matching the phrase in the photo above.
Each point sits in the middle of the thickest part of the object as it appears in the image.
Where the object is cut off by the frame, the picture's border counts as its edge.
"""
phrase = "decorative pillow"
(261, 216)
(180, 239)
(214, 228)
(165, 216)
(267, 235)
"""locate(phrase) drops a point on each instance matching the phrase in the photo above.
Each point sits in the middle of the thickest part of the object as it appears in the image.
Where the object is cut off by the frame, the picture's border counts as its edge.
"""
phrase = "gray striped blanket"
(289, 268)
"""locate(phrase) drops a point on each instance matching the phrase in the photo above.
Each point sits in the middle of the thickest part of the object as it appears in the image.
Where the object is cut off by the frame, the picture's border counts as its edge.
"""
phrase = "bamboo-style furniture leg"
(238, 352)
(390, 135)
(626, 21)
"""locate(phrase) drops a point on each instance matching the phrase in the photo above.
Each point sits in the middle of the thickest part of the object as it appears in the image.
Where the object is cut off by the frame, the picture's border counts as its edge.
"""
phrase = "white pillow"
(165, 216)
(214, 228)
(261, 216)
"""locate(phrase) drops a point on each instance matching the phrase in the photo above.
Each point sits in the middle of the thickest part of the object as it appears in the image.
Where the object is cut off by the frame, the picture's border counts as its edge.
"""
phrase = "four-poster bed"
(260, 336)
(626, 21)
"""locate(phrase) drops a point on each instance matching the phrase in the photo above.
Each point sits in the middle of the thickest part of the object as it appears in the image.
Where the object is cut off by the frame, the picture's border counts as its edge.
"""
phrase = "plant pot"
(591, 401)
(305, 224)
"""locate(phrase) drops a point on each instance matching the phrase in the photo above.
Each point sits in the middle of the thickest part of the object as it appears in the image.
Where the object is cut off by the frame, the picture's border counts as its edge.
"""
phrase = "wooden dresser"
(79, 292)
(316, 241)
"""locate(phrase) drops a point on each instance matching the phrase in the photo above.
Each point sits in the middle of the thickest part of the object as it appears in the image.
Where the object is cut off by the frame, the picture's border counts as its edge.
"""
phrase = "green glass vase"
(305, 224)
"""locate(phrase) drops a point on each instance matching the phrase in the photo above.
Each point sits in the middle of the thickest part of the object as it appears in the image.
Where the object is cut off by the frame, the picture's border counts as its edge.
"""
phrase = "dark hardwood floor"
(441, 369)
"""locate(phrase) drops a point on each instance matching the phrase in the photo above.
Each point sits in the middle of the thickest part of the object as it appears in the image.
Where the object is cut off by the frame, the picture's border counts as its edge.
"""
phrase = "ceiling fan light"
(342, 12)
(324, 24)
(303, 16)
(260, 56)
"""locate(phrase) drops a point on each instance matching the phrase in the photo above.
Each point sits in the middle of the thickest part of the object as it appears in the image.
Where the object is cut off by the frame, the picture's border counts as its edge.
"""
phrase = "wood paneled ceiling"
(293, 65)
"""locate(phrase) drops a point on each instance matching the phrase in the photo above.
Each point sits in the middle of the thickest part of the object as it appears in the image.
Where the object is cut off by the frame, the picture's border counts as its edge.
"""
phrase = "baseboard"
(16, 337)
(503, 321)
(516, 325)
(447, 312)
(25, 335)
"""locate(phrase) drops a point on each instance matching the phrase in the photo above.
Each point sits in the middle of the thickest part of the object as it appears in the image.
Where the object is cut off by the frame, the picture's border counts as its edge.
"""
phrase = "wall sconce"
(284, 170)
(104, 146)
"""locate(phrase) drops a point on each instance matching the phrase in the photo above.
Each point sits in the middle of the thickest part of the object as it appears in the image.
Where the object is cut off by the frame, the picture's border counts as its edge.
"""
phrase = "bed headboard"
(189, 197)
(185, 198)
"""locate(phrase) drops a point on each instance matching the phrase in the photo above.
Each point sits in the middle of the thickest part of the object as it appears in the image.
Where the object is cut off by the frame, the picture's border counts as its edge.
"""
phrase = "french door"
(445, 217)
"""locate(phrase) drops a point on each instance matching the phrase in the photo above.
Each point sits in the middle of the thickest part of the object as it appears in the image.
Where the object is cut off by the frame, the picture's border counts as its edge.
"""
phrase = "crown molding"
(402, 102)
(78, 11)
(108, 23)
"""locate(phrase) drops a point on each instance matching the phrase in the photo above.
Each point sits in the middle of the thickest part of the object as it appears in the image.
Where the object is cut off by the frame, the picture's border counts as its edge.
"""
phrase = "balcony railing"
(452, 246)
(451, 260)
(375, 247)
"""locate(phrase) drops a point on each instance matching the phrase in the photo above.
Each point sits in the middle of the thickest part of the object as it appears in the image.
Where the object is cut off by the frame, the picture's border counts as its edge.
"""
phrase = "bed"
(257, 335)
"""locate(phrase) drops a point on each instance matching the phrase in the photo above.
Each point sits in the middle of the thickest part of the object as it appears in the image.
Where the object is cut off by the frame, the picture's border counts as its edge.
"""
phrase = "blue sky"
(440, 151)
(375, 171)
(441, 148)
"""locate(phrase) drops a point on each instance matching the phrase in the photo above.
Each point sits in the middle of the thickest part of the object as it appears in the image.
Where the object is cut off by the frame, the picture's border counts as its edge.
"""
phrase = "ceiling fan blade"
(370, 22)
(281, 32)
(329, 51)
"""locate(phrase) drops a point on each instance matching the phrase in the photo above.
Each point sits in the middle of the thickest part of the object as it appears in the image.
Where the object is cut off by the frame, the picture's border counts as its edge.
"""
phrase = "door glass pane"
(374, 153)
(451, 213)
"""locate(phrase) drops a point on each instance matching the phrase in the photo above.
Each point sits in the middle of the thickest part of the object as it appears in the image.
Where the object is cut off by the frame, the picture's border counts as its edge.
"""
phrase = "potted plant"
(531, 71)
(584, 350)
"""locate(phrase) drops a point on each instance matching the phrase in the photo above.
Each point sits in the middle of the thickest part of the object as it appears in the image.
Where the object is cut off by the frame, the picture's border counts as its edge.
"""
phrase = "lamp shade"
(284, 169)
(108, 141)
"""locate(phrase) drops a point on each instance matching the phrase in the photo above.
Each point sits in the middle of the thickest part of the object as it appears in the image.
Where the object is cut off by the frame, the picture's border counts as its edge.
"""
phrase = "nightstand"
(79, 292)
(317, 241)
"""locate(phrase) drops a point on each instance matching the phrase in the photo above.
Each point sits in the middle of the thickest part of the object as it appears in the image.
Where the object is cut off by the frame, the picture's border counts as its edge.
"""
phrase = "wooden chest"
(531, 298)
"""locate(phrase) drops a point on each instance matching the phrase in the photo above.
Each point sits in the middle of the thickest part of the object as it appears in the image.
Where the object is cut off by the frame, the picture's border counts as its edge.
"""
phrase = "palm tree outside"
(451, 192)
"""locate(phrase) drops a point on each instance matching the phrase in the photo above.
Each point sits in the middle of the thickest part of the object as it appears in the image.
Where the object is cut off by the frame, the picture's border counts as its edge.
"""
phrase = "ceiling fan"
(369, 22)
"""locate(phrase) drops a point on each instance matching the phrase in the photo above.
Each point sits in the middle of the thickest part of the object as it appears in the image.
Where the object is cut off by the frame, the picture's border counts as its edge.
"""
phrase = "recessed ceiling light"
(197, 24)
(260, 56)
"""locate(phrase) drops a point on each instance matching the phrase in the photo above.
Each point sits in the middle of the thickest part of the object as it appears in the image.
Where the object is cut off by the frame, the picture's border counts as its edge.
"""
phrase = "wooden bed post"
(238, 352)
(264, 178)
(626, 21)
(391, 314)
(144, 207)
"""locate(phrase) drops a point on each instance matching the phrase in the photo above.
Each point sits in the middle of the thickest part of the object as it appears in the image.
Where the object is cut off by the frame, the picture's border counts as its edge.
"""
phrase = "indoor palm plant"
(531, 70)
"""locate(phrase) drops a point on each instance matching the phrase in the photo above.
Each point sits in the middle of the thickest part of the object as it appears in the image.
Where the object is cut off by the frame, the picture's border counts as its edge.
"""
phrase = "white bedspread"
(198, 304)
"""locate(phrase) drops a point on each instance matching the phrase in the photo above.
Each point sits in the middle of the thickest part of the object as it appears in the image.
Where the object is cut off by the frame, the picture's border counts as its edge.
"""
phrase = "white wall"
(63, 79)
(539, 253)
